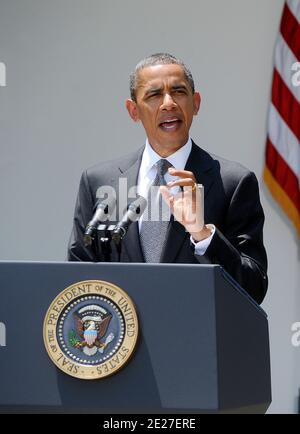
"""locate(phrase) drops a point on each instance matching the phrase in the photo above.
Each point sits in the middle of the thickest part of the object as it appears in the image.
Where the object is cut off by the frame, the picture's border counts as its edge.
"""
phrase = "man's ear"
(197, 102)
(132, 110)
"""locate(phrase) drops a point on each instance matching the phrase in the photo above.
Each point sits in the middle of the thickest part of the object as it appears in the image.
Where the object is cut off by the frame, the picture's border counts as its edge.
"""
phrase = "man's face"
(165, 104)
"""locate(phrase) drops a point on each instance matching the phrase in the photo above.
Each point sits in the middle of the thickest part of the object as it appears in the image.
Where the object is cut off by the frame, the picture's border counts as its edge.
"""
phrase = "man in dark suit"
(228, 231)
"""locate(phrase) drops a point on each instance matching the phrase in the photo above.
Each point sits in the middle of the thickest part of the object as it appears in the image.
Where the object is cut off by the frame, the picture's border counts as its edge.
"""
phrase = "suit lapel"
(201, 164)
(131, 242)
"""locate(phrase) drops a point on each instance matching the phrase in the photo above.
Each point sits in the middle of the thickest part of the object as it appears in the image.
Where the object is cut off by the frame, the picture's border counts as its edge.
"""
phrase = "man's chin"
(168, 145)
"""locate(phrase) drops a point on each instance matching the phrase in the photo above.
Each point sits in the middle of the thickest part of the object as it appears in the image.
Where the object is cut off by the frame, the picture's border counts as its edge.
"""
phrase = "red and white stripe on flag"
(282, 169)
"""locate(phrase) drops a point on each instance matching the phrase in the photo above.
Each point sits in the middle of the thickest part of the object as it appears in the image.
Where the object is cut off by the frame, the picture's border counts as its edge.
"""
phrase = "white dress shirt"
(147, 174)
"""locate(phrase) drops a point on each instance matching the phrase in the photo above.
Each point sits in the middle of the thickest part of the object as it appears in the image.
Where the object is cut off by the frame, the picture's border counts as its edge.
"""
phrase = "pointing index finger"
(181, 173)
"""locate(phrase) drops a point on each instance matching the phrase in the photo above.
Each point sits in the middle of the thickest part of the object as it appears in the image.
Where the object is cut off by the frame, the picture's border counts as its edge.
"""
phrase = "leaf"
(73, 339)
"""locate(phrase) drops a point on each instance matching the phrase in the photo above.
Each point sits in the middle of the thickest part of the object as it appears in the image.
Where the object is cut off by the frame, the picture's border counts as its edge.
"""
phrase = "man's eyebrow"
(179, 87)
(153, 90)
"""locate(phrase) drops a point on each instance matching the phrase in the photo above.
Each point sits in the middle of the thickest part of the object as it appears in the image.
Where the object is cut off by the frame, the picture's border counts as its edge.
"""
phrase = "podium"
(203, 343)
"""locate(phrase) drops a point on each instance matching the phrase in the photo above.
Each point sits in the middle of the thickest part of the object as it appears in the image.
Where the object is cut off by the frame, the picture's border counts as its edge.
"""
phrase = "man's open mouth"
(170, 124)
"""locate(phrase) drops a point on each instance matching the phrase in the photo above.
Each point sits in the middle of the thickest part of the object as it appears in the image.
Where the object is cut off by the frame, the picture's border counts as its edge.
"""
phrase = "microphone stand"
(107, 245)
(110, 237)
(103, 242)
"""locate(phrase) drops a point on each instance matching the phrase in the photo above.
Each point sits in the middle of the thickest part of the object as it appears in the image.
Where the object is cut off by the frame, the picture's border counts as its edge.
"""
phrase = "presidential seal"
(91, 329)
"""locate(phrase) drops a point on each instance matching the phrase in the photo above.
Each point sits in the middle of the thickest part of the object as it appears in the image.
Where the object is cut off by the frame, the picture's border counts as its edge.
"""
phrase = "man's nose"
(168, 102)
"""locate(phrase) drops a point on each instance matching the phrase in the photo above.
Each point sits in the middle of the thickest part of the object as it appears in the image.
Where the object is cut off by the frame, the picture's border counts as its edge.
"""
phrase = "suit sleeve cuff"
(202, 246)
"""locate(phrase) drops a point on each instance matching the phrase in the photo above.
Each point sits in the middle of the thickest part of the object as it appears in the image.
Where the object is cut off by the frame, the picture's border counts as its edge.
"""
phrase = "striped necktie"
(154, 229)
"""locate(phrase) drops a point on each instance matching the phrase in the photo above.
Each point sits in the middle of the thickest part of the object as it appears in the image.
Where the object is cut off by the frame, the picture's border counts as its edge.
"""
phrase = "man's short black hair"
(158, 59)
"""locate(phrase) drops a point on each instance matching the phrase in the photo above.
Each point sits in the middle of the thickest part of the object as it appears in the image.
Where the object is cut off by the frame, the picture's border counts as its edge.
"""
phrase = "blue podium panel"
(203, 343)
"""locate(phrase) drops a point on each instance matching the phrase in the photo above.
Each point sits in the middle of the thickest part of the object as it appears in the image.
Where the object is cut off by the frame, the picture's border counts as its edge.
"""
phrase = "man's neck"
(165, 152)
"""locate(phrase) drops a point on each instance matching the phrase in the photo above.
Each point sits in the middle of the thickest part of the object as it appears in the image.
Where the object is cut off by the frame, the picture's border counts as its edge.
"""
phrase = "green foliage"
(73, 339)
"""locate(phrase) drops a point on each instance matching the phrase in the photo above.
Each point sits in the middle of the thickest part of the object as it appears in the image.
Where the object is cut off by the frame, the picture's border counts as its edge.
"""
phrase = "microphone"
(133, 213)
(103, 209)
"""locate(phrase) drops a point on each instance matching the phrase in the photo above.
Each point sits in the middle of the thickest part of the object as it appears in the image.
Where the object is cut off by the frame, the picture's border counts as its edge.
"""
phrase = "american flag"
(282, 169)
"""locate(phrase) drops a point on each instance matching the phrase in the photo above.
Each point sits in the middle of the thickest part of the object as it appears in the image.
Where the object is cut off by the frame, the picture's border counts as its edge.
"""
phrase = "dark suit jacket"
(232, 204)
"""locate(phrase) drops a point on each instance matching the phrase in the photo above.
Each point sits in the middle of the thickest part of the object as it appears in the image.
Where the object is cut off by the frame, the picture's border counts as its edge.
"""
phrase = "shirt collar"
(178, 159)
